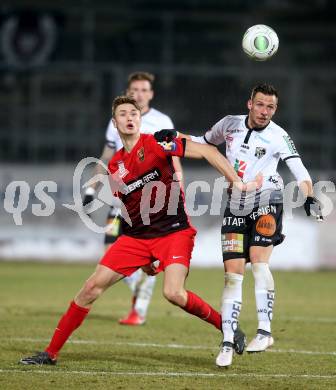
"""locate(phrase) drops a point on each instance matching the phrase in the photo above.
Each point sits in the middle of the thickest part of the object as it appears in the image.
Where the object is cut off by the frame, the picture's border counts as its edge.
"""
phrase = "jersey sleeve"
(111, 136)
(299, 171)
(216, 135)
(286, 147)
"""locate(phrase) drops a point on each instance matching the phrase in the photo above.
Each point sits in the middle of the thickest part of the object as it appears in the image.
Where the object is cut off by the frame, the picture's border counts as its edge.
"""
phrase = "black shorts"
(115, 229)
(261, 227)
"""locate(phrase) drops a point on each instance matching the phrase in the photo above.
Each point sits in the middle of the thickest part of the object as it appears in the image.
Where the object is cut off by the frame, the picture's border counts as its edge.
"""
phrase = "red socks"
(196, 306)
(70, 321)
(75, 315)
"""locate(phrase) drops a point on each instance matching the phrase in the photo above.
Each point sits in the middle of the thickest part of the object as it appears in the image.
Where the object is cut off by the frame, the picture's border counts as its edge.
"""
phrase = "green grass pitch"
(173, 350)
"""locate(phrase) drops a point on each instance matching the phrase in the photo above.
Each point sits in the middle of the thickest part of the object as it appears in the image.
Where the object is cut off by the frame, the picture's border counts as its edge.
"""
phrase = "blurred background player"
(252, 225)
(140, 87)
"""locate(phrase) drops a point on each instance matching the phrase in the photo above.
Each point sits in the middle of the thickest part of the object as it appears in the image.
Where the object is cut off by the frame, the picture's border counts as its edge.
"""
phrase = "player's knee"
(233, 280)
(91, 291)
(174, 296)
(259, 254)
(254, 257)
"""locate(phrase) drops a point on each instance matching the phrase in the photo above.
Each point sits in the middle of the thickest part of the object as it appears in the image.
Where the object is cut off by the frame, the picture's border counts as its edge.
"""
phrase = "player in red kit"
(155, 224)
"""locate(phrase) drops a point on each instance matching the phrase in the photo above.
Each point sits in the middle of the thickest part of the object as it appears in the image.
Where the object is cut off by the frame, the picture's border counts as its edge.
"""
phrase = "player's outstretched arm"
(182, 135)
(311, 203)
(168, 135)
(306, 187)
(218, 161)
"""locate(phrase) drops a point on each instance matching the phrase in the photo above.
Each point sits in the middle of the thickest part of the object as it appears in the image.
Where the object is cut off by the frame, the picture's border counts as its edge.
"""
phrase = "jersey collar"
(253, 128)
(128, 153)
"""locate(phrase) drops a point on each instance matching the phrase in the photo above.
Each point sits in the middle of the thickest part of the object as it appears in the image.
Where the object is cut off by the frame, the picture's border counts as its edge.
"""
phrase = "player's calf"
(89, 293)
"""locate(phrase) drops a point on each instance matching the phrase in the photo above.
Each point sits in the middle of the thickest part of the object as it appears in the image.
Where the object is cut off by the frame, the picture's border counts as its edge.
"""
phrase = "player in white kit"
(140, 87)
(252, 223)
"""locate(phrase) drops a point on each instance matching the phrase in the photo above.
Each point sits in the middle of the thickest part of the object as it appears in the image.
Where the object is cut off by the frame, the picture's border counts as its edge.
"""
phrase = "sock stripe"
(263, 332)
(205, 318)
(196, 306)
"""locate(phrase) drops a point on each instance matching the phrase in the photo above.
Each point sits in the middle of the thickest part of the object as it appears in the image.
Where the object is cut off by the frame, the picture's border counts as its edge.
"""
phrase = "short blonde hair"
(123, 100)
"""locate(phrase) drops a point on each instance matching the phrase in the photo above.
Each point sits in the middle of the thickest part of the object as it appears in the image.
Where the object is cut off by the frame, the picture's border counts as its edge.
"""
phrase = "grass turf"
(173, 350)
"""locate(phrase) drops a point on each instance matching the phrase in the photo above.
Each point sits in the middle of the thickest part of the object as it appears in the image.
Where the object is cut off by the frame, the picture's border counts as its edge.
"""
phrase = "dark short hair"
(266, 89)
(123, 100)
(141, 76)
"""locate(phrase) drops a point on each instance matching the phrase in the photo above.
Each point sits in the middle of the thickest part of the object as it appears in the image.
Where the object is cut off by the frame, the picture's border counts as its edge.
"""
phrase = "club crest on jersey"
(260, 151)
(141, 154)
(121, 169)
(240, 167)
(168, 146)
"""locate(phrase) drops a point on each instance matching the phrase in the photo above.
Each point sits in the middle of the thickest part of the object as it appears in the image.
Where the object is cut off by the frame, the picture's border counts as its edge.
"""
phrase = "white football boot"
(261, 342)
(224, 358)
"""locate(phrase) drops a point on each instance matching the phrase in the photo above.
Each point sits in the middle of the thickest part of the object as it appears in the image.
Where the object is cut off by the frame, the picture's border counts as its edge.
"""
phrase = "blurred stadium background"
(62, 63)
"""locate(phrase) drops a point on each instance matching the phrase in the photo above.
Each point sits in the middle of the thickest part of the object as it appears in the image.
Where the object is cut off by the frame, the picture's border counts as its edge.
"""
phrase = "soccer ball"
(260, 42)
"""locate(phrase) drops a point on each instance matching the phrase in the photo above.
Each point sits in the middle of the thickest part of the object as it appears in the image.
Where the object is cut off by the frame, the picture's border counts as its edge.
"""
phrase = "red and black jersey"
(152, 196)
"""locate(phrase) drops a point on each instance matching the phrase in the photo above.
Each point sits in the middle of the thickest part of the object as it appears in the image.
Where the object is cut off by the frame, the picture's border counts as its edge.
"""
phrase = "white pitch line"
(333, 353)
(168, 374)
(155, 345)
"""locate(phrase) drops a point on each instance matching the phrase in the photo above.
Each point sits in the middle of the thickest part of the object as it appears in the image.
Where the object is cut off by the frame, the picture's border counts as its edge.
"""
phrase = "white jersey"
(252, 151)
(152, 121)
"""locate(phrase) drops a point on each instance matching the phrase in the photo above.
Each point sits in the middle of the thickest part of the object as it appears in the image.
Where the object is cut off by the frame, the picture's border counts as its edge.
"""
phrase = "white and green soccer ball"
(260, 42)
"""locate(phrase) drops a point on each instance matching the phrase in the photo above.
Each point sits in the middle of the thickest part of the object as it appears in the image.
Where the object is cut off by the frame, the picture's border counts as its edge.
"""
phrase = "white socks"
(144, 295)
(264, 293)
(231, 304)
(133, 280)
(142, 287)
